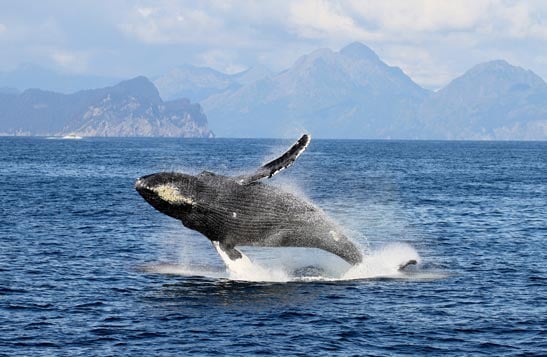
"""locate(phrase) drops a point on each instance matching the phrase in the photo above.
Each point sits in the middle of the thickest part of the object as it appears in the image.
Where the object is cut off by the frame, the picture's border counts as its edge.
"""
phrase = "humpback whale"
(244, 211)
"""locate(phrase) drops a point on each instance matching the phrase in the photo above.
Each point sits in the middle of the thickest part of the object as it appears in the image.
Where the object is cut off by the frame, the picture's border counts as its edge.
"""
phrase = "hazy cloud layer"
(432, 41)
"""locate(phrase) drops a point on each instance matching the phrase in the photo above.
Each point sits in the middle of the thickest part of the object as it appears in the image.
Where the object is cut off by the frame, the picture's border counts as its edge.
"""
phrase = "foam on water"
(384, 262)
(381, 263)
(247, 270)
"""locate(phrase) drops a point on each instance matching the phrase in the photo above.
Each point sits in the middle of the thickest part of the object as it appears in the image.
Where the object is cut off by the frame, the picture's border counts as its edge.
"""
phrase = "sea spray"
(246, 270)
(385, 262)
(305, 265)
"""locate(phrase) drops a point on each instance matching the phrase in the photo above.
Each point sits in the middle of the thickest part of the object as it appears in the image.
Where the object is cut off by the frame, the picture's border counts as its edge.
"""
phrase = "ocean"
(87, 267)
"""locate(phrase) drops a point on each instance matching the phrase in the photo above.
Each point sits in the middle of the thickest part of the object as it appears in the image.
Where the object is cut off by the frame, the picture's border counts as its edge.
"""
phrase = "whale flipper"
(230, 251)
(282, 162)
(227, 252)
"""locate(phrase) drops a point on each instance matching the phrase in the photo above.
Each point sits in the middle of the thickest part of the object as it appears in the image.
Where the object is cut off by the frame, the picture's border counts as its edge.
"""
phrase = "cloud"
(430, 40)
(420, 15)
(71, 61)
(417, 63)
(522, 20)
(146, 11)
(172, 24)
(321, 19)
(415, 20)
(228, 36)
(63, 58)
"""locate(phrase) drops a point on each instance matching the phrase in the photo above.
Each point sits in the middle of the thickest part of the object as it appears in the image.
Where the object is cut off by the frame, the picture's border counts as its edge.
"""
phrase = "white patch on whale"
(171, 194)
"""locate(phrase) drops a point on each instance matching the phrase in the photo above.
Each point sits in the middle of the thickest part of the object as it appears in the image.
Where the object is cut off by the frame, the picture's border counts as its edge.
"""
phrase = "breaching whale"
(243, 211)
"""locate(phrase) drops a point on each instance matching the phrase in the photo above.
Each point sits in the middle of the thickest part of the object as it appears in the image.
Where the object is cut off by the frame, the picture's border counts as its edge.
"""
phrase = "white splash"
(317, 266)
(246, 270)
(384, 262)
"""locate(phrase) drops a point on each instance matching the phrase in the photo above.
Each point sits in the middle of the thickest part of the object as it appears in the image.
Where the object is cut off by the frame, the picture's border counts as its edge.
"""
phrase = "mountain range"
(353, 94)
(493, 100)
(346, 94)
(198, 83)
(130, 108)
(349, 93)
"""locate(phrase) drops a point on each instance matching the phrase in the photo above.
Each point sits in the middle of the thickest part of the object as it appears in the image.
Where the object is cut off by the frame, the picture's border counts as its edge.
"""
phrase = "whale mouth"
(144, 190)
(140, 184)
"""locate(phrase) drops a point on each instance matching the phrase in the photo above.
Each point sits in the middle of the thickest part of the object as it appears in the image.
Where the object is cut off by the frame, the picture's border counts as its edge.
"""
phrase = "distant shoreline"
(59, 137)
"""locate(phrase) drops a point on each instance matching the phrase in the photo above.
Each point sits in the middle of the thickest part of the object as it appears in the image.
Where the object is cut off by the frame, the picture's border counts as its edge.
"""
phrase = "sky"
(432, 41)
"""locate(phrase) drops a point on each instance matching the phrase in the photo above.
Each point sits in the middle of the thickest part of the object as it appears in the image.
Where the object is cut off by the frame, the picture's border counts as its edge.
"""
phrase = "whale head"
(171, 193)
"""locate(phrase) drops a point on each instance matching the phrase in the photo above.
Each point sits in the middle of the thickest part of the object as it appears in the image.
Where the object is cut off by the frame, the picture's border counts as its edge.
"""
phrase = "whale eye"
(171, 194)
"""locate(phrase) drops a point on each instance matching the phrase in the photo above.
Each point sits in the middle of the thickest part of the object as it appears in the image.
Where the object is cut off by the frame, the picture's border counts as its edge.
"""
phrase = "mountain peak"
(130, 108)
(140, 81)
(493, 66)
(140, 87)
(500, 71)
(359, 51)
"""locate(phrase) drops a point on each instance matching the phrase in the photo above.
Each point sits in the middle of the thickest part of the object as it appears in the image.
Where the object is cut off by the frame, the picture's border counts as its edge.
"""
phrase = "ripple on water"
(76, 244)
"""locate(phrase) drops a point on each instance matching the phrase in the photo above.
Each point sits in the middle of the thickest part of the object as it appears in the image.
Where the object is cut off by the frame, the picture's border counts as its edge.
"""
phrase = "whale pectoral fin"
(231, 252)
(282, 162)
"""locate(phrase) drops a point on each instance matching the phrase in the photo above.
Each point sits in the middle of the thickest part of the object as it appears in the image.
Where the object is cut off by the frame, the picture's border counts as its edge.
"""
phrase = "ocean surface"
(87, 267)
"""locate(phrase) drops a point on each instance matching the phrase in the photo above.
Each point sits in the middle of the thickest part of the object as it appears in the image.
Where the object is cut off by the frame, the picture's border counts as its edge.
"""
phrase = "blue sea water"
(87, 267)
